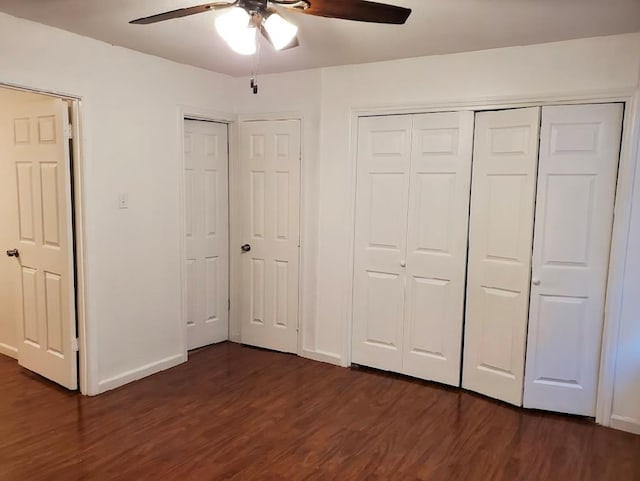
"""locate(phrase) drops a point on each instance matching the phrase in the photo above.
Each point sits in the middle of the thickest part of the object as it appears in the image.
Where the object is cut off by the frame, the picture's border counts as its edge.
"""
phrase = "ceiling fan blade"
(182, 12)
(358, 10)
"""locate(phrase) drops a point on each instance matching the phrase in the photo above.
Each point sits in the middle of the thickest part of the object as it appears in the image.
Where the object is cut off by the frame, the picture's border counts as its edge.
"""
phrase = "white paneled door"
(44, 247)
(436, 260)
(206, 163)
(413, 175)
(382, 202)
(270, 153)
(500, 242)
(579, 152)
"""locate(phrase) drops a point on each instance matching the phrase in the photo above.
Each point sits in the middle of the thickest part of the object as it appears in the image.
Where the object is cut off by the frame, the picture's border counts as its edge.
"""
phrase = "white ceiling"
(435, 27)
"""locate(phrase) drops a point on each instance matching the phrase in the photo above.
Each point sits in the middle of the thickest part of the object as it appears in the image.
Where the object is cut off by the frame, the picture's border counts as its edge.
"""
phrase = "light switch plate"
(123, 201)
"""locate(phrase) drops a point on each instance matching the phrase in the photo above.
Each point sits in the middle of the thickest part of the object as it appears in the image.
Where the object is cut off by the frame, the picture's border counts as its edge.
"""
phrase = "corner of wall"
(139, 373)
(622, 423)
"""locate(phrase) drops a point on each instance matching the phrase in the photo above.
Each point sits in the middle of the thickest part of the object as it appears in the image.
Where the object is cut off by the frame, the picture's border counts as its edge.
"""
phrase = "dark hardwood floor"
(236, 413)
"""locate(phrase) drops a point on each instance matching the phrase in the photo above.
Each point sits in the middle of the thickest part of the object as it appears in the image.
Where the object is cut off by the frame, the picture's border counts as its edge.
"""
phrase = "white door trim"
(630, 151)
(194, 113)
(236, 232)
(87, 343)
(629, 154)
(87, 346)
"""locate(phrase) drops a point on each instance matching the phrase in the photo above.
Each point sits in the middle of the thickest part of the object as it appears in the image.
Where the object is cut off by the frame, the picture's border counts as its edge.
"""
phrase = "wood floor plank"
(236, 413)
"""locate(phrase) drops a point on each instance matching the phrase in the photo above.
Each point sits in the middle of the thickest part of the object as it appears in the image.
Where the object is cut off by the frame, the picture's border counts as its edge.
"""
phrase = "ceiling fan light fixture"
(281, 32)
(235, 28)
(244, 41)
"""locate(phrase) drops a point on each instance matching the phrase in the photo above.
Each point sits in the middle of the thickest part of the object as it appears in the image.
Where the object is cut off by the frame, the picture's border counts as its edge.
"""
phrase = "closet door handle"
(403, 263)
(535, 282)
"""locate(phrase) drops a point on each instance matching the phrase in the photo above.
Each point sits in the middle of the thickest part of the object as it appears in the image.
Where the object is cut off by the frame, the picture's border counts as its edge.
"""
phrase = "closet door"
(500, 242)
(579, 151)
(437, 245)
(384, 145)
(206, 158)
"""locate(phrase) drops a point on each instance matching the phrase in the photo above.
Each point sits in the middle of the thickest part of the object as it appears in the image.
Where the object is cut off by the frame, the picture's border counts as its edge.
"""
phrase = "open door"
(206, 175)
(503, 189)
(44, 248)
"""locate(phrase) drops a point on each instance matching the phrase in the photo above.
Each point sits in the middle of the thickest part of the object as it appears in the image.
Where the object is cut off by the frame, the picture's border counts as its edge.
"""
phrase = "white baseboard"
(625, 424)
(319, 356)
(322, 357)
(8, 350)
(139, 373)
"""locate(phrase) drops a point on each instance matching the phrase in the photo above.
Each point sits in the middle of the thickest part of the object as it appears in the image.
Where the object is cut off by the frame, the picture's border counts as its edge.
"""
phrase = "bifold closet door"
(579, 151)
(437, 245)
(383, 162)
(412, 205)
(500, 242)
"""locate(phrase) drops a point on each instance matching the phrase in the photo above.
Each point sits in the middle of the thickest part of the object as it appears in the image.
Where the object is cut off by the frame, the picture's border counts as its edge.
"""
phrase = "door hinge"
(74, 345)
(68, 132)
(229, 305)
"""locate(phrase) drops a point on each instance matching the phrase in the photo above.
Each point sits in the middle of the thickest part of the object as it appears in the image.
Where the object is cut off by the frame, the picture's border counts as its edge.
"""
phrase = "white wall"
(130, 125)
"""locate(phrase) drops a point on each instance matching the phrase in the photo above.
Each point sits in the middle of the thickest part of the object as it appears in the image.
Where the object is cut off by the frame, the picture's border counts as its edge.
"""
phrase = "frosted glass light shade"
(234, 27)
(280, 31)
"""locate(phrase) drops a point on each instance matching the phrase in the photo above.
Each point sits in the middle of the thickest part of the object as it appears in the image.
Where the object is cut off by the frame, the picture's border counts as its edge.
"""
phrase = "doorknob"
(403, 263)
(246, 248)
(13, 253)
(535, 282)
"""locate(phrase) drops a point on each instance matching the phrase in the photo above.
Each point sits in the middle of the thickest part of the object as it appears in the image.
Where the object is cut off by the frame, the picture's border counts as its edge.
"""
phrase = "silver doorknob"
(535, 282)
(403, 263)
(13, 253)
(245, 248)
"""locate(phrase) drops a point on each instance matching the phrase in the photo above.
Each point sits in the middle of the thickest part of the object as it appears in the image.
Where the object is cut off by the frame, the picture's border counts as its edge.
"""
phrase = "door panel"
(383, 169)
(500, 240)
(40, 151)
(436, 257)
(207, 232)
(270, 170)
(30, 332)
(580, 147)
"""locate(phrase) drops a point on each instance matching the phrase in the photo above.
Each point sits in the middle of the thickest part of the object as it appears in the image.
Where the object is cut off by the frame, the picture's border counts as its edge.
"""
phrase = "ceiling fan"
(261, 15)
(243, 18)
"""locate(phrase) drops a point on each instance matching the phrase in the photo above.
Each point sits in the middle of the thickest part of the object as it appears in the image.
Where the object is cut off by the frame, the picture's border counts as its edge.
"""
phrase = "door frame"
(87, 368)
(628, 163)
(236, 230)
(205, 115)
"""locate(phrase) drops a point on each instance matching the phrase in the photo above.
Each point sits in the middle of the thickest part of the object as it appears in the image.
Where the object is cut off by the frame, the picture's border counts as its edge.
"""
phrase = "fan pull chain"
(254, 74)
